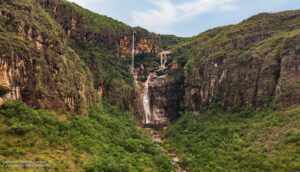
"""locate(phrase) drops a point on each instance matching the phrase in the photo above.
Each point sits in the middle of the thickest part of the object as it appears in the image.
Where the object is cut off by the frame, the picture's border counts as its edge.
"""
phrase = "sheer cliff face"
(143, 45)
(250, 64)
(166, 95)
(165, 100)
(36, 65)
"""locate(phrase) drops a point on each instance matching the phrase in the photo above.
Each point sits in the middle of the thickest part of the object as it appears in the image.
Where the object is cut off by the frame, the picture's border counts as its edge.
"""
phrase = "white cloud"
(167, 13)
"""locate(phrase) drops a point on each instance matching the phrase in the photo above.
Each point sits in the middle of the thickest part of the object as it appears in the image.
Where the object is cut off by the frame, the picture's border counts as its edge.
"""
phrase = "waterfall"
(164, 58)
(163, 62)
(146, 101)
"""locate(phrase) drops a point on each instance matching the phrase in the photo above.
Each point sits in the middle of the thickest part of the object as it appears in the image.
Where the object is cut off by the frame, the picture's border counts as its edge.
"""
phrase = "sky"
(184, 17)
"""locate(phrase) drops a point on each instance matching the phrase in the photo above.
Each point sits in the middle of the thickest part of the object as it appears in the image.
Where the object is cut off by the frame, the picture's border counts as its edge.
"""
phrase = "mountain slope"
(82, 48)
(241, 96)
(47, 67)
(251, 64)
(37, 65)
(265, 140)
(101, 41)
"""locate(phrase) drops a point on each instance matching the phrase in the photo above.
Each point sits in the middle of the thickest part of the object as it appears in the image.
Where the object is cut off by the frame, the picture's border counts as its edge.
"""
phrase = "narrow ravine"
(150, 123)
(155, 135)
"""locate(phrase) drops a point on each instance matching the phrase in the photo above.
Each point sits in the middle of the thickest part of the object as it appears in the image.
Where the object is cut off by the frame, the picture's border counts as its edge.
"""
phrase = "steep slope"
(251, 64)
(241, 96)
(47, 65)
(101, 42)
(37, 65)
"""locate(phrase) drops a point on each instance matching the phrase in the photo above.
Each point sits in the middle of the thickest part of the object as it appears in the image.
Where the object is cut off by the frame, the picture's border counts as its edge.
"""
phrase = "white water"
(163, 62)
(146, 101)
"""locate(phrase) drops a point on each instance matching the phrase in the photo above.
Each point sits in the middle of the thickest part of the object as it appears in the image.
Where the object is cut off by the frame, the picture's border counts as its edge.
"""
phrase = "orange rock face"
(143, 45)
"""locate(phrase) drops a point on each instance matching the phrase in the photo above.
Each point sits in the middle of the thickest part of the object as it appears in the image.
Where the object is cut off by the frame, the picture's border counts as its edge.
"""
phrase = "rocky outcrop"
(10, 72)
(143, 45)
(165, 94)
(112, 34)
(288, 85)
(103, 44)
(245, 65)
(36, 65)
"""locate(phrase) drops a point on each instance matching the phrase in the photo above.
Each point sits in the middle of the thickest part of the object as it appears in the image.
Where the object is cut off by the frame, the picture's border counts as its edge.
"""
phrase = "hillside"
(107, 140)
(68, 77)
(75, 46)
(252, 64)
(100, 41)
(224, 100)
(37, 65)
(265, 140)
(241, 91)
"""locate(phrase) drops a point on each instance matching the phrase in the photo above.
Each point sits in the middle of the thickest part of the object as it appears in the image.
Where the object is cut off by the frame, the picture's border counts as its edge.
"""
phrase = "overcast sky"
(184, 17)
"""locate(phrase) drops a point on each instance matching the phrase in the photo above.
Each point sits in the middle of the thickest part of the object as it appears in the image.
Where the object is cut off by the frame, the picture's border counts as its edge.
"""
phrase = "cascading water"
(146, 101)
(163, 62)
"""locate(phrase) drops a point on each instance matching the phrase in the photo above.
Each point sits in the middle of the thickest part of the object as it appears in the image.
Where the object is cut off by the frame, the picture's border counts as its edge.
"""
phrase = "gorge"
(224, 100)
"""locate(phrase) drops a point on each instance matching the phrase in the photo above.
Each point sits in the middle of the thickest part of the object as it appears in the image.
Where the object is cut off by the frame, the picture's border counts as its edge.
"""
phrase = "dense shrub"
(249, 140)
(107, 140)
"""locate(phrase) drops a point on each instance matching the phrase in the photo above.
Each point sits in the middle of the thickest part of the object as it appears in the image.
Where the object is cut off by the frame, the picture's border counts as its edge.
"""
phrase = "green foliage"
(264, 140)
(107, 140)
(168, 41)
(110, 72)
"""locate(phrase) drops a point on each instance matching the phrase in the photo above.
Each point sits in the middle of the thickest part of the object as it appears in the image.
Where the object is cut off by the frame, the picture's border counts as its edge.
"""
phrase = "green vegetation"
(264, 140)
(110, 72)
(168, 41)
(107, 140)
(53, 70)
(248, 60)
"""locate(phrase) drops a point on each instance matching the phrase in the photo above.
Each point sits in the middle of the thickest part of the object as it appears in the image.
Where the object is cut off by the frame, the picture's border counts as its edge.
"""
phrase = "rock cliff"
(252, 64)
(102, 42)
(36, 64)
(165, 90)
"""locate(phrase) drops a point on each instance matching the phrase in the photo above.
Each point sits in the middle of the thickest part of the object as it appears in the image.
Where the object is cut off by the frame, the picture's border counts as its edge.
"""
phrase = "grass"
(107, 140)
(264, 140)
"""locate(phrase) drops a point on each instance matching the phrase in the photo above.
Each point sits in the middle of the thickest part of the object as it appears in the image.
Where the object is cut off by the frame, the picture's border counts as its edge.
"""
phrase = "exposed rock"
(288, 87)
(166, 95)
(120, 41)
(143, 45)
(36, 65)
(244, 65)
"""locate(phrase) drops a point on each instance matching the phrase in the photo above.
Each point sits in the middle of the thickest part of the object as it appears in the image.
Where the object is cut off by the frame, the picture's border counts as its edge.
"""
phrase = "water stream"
(163, 62)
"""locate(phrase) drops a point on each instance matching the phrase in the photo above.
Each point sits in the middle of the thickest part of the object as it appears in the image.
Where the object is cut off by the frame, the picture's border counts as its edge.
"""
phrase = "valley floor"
(108, 140)
(156, 138)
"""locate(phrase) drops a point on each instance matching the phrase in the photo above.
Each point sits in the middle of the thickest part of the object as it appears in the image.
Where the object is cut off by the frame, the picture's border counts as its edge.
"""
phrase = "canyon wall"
(252, 64)
(105, 45)
(36, 65)
(164, 93)
(98, 29)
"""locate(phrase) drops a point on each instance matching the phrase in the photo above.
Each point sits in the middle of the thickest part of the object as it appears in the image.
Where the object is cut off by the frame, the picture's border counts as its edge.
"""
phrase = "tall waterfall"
(146, 101)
